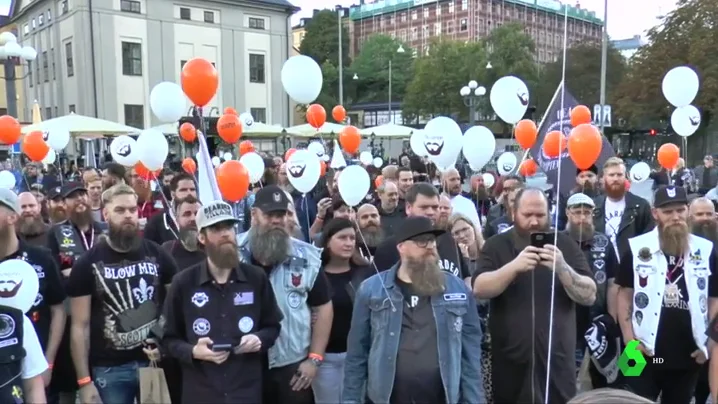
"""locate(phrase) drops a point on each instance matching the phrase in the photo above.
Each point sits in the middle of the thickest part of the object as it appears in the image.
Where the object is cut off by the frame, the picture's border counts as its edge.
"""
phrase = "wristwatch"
(316, 361)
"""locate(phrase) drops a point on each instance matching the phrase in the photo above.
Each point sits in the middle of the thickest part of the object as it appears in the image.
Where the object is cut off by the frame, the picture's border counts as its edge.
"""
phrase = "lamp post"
(340, 11)
(13, 55)
(399, 50)
(472, 93)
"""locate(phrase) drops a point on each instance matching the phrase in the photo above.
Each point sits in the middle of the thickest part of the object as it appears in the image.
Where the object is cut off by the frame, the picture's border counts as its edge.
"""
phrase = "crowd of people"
(425, 293)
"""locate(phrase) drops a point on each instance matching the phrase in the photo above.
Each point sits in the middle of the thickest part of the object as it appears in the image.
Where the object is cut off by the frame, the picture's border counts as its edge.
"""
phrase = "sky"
(6, 4)
(625, 18)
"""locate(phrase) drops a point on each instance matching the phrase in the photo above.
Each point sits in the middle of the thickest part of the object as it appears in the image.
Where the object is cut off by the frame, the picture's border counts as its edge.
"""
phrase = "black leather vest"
(11, 355)
(596, 257)
(71, 243)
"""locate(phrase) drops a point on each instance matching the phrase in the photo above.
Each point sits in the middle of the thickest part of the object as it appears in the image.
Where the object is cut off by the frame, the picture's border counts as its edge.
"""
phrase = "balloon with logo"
(317, 147)
(303, 170)
(479, 144)
(229, 128)
(167, 102)
(366, 158)
(7, 179)
(254, 163)
(188, 132)
(302, 79)
(124, 151)
(640, 172)
(58, 138)
(20, 285)
(50, 158)
(416, 142)
(247, 120)
(685, 121)
(152, 148)
(354, 184)
(680, 86)
(506, 163)
(510, 99)
(442, 141)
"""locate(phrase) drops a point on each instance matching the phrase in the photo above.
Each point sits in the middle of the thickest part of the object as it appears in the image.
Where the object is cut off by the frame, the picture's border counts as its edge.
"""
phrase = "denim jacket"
(373, 341)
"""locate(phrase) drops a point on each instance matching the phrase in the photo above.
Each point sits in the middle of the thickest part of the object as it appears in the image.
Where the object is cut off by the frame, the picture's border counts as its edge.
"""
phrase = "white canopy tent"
(81, 126)
(389, 130)
(307, 130)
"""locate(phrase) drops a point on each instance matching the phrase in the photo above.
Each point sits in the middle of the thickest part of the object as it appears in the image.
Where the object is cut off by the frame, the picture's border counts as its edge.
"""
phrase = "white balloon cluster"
(680, 87)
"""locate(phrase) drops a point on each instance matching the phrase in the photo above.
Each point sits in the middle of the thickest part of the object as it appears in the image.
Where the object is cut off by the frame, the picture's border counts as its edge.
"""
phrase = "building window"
(49, 15)
(256, 23)
(33, 23)
(131, 59)
(44, 67)
(52, 58)
(57, 113)
(182, 63)
(414, 15)
(37, 71)
(135, 116)
(64, 7)
(185, 13)
(26, 29)
(48, 112)
(451, 7)
(69, 64)
(40, 19)
(259, 114)
(256, 68)
(131, 6)
(464, 5)
(71, 108)
(29, 72)
(209, 17)
(464, 25)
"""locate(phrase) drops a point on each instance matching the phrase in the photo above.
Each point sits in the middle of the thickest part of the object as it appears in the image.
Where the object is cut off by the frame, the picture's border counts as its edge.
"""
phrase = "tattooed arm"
(624, 308)
(581, 289)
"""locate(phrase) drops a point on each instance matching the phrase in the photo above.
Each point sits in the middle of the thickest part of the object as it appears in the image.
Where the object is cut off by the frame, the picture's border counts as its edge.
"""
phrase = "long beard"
(674, 239)
(124, 237)
(426, 276)
(31, 226)
(615, 191)
(706, 229)
(442, 223)
(224, 255)
(373, 235)
(581, 232)
(83, 218)
(188, 238)
(57, 215)
(587, 188)
(481, 193)
(269, 246)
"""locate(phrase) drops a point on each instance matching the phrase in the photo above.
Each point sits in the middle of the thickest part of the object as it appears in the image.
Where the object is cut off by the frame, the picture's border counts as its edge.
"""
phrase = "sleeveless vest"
(12, 354)
(71, 243)
(596, 258)
(649, 278)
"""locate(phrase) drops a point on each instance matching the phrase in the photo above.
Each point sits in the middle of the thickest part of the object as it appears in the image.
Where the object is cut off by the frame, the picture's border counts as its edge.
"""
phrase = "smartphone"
(221, 347)
(540, 239)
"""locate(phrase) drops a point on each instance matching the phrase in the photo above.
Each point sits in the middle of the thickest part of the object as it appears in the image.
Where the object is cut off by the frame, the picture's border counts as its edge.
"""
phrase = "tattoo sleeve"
(581, 289)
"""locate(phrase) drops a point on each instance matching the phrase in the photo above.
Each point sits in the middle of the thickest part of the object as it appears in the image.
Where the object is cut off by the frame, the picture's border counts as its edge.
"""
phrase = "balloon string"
(167, 203)
(376, 270)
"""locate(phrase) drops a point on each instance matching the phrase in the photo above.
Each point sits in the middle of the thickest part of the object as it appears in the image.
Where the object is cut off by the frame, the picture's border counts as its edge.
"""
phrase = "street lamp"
(13, 55)
(356, 77)
(471, 93)
(400, 49)
(488, 66)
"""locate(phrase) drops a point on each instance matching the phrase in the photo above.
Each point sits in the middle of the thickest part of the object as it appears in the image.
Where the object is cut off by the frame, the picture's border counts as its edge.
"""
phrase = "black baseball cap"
(271, 199)
(671, 194)
(54, 193)
(416, 226)
(71, 187)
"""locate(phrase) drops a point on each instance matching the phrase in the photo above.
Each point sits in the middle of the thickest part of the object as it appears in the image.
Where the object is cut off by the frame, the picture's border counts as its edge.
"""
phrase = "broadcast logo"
(632, 362)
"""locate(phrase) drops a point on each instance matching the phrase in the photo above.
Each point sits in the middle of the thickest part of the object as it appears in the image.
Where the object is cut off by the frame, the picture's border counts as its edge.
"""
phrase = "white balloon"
(302, 79)
(416, 142)
(317, 147)
(125, 151)
(247, 120)
(7, 179)
(326, 158)
(510, 99)
(57, 138)
(353, 185)
(378, 162)
(254, 163)
(680, 86)
(489, 180)
(442, 141)
(479, 145)
(26, 283)
(167, 101)
(303, 170)
(366, 158)
(215, 161)
(640, 172)
(506, 163)
(227, 156)
(152, 148)
(686, 120)
(50, 157)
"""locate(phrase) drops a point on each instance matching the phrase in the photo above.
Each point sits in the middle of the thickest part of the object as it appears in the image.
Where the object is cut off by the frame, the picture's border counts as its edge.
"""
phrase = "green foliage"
(511, 52)
(371, 66)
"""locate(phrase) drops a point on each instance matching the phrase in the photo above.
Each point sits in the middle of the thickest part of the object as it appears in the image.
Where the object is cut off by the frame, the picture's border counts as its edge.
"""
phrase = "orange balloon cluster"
(584, 145)
(528, 168)
(316, 116)
(233, 180)
(9, 130)
(350, 139)
(34, 146)
(188, 132)
(245, 147)
(229, 128)
(145, 173)
(526, 133)
(199, 80)
(554, 144)
(189, 166)
(339, 113)
(580, 115)
(668, 155)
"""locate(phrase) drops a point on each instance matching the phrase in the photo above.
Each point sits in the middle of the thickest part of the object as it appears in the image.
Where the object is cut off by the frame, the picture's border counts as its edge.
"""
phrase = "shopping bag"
(153, 386)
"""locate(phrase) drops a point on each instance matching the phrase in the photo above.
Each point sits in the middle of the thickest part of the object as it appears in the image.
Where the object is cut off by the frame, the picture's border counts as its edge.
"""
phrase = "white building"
(628, 47)
(102, 57)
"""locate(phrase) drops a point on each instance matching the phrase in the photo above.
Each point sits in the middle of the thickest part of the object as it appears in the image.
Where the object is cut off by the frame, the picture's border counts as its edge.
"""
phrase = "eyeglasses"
(424, 240)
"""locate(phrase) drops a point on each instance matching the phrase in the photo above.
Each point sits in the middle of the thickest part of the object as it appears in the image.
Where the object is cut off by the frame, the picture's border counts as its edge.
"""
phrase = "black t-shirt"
(157, 231)
(321, 292)
(183, 257)
(418, 375)
(343, 307)
(584, 315)
(674, 339)
(450, 258)
(51, 292)
(127, 292)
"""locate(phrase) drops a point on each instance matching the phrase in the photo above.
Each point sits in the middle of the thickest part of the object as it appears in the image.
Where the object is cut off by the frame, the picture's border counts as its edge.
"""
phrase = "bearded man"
(112, 174)
(517, 277)
(587, 182)
(302, 290)
(667, 296)
(372, 234)
(444, 212)
(186, 249)
(161, 227)
(506, 221)
(30, 226)
(393, 349)
(451, 183)
(702, 219)
(481, 197)
(56, 209)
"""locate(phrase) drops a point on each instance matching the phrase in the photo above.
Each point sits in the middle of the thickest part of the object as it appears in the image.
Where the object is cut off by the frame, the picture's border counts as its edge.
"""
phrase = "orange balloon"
(229, 128)
(245, 147)
(145, 173)
(34, 146)
(628, 185)
(322, 168)
(199, 81)
(350, 139)
(188, 132)
(528, 168)
(580, 115)
(554, 144)
(316, 115)
(668, 156)
(584, 145)
(289, 153)
(9, 130)
(230, 110)
(339, 113)
(379, 180)
(526, 133)
(233, 180)
(189, 166)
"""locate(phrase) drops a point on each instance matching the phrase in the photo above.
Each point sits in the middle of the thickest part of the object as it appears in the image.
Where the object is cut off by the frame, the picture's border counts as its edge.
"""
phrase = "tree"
(371, 66)
(511, 52)
(583, 75)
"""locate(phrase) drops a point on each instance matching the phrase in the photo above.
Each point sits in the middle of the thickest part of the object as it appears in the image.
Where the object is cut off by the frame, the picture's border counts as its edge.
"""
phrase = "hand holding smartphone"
(540, 239)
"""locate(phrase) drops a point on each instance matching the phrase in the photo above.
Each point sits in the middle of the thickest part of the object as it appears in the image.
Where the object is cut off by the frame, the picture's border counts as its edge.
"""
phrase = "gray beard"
(373, 235)
(427, 278)
(707, 230)
(581, 233)
(269, 246)
(188, 238)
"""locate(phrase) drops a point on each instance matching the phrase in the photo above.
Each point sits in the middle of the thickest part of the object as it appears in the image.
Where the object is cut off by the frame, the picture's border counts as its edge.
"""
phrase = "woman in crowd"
(336, 209)
(345, 271)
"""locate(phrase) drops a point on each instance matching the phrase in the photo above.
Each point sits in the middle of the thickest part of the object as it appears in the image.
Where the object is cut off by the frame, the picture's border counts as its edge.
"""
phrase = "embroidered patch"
(458, 324)
(639, 317)
(201, 327)
(599, 264)
(641, 300)
(600, 241)
(600, 277)
(703, 302)
(293, 299)
(701, 283)
(199, 299)
(246, 324)
(450, 297)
